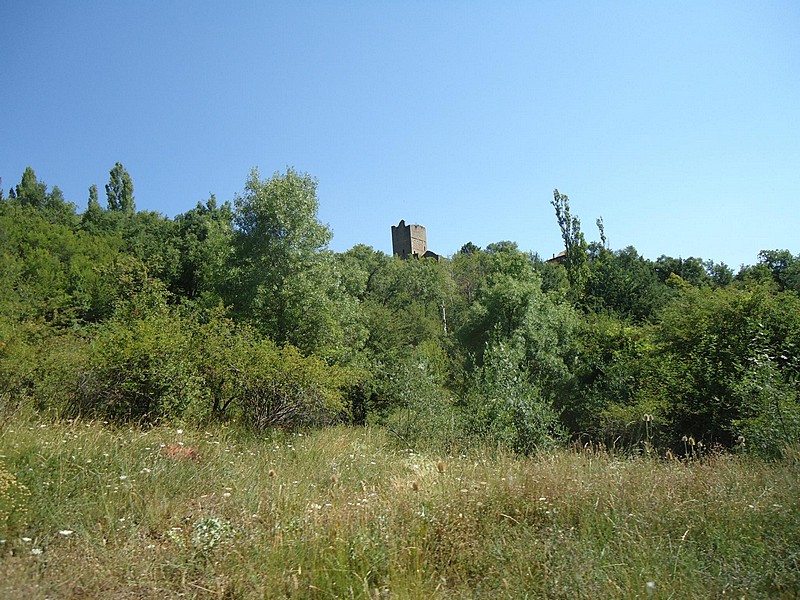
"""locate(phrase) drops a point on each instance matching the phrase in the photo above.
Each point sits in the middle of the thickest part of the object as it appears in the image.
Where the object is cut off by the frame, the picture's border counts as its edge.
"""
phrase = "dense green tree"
(409, 301)
(204, 240)
(497, 285)
(119, 190)
(553, 275)
(710, 340)
(784, 267)
(505, 404)
(282, 277)
(407, 308)
(360, 267)
(93, 198)
(92, 217)
(30, 191)
(469, 248)
(57, 210)
(151, 237)
(48, 270)
(691, 270)
(624, 283)
(719, 273)
(467, 271)
(241, 310)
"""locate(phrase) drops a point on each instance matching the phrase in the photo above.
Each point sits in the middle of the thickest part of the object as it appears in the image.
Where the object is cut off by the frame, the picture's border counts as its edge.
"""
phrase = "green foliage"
(607, 370)
(149, 364)
(409, 400)
(240, 312)
(282, 280)
(719, 273)
(784, 267)
(624, 283)
(204, 238)
(711, 341)
(502, 296)
(523, 345)
(265, 385)
(30, 191)
(508, 308)
(691, 270)
(407, 301)
(554, 278)
(469, 248)
(129, 290)
(574, 244)
(139, 369)
(19, 355)
(770, 413)
(285, 388)
(39, 367)
(506, 407)
(49, 270)
(119, 190)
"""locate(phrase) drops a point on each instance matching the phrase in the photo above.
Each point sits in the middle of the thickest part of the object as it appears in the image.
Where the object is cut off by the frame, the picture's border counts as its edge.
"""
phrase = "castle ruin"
(410, 240)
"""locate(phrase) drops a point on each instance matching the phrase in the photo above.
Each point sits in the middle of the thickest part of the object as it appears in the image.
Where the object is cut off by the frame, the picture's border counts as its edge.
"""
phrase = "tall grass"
(343, 513)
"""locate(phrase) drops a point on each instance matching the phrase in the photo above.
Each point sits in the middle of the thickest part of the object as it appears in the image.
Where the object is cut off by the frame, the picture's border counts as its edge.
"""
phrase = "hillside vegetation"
(218, 405)
(238, 311)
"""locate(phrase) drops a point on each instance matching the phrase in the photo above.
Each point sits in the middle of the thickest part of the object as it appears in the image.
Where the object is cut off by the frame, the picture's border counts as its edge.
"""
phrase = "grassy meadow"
(88, 510)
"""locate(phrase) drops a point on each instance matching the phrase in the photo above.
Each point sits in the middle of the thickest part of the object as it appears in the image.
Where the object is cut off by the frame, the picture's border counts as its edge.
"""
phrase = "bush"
(280, 387)
(506, 408)
(248, 376)
(416, 409)
(39, 366)
(140, 369)
(714, 347)
(771, 410)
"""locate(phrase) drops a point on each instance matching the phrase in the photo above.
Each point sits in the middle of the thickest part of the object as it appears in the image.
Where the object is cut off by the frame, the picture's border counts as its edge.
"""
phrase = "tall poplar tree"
(574, 244)
(119, 190)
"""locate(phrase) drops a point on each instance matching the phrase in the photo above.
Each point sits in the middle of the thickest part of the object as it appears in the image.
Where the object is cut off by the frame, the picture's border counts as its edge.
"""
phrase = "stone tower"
(409, 240)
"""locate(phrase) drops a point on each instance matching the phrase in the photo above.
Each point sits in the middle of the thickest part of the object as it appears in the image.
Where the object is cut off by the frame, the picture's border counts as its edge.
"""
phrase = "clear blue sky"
(677, 122)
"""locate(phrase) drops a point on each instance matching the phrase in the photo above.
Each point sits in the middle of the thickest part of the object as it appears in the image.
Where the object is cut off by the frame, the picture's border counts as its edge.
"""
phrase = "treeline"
(239, 311)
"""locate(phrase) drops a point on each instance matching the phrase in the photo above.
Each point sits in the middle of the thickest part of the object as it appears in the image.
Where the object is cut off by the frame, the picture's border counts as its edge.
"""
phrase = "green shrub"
(140, 369)
(714, 346)
(416, 409)
(505, 407)
(248, 376)
(281, 387)
(39, 366)
(771, 410)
